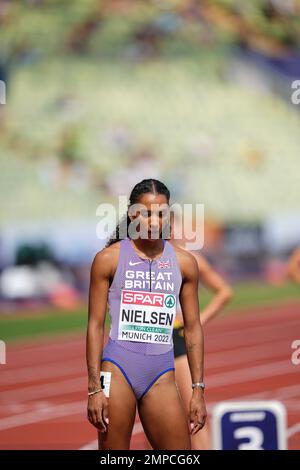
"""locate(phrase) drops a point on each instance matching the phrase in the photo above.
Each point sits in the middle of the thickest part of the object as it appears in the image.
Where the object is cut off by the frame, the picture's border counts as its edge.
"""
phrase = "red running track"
(43, 384)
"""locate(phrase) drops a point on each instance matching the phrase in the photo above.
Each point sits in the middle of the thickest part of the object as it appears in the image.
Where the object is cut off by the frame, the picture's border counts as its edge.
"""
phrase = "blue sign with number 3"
(249, 426)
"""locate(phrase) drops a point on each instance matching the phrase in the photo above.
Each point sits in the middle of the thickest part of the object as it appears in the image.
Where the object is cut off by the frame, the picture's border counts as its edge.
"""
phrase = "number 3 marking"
(255, 436)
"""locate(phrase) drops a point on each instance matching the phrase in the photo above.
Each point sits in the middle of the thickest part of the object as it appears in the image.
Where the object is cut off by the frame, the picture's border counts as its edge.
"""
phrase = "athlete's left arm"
(215, 283)
(293, 269)
(193, 335)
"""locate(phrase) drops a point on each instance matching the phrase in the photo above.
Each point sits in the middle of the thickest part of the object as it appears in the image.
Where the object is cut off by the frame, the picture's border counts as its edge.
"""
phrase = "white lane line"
(38, 373)
(257, 327)
(57, 388)
(253, 336)
(293, 430)
(44, 414)
(93, 445)
(290, 391)
(248, 374)
(137, 429)
(14, 365)
(293, 405)
(41, 348)
(223, 325)
(283, 393)
(270, 314)
(230, 357)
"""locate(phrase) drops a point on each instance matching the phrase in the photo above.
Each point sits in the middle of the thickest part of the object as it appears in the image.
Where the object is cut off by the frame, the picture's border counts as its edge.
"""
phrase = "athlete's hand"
(198, 412)
(97, 411)
(204, 317)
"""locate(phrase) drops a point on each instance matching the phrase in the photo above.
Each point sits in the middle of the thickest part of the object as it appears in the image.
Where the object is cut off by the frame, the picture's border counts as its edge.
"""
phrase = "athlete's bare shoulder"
(106, 261)
(187, 263)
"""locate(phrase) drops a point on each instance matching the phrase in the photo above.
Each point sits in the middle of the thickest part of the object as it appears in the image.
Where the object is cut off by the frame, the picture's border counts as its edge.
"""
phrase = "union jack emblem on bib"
(164, 264)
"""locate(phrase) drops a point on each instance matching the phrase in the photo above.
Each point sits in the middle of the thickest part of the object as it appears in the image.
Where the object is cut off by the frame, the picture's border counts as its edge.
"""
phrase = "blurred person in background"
(294, 266)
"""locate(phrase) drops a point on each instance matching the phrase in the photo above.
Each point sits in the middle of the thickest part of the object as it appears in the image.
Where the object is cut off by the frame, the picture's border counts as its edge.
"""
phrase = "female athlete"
(143, 280)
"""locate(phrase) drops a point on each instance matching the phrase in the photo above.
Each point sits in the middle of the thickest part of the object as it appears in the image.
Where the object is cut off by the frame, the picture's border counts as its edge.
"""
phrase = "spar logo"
(153, 299)
(170, 301)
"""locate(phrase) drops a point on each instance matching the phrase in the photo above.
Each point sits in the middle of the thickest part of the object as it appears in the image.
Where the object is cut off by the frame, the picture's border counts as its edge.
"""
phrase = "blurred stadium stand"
(103, 93)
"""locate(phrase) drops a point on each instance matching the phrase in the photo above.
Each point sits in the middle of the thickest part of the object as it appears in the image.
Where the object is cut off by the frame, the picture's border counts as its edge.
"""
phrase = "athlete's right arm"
(98, 292)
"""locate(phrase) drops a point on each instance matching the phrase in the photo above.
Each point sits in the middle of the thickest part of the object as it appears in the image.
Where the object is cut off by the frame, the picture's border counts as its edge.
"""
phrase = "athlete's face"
(152, 213)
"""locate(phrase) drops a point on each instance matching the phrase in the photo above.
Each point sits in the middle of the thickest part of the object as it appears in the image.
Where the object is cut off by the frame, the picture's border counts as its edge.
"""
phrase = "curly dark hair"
(152, 186)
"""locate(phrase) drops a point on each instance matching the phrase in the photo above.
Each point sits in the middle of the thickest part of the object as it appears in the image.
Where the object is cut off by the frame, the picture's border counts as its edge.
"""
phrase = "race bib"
(105, 378)
(146, 317)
